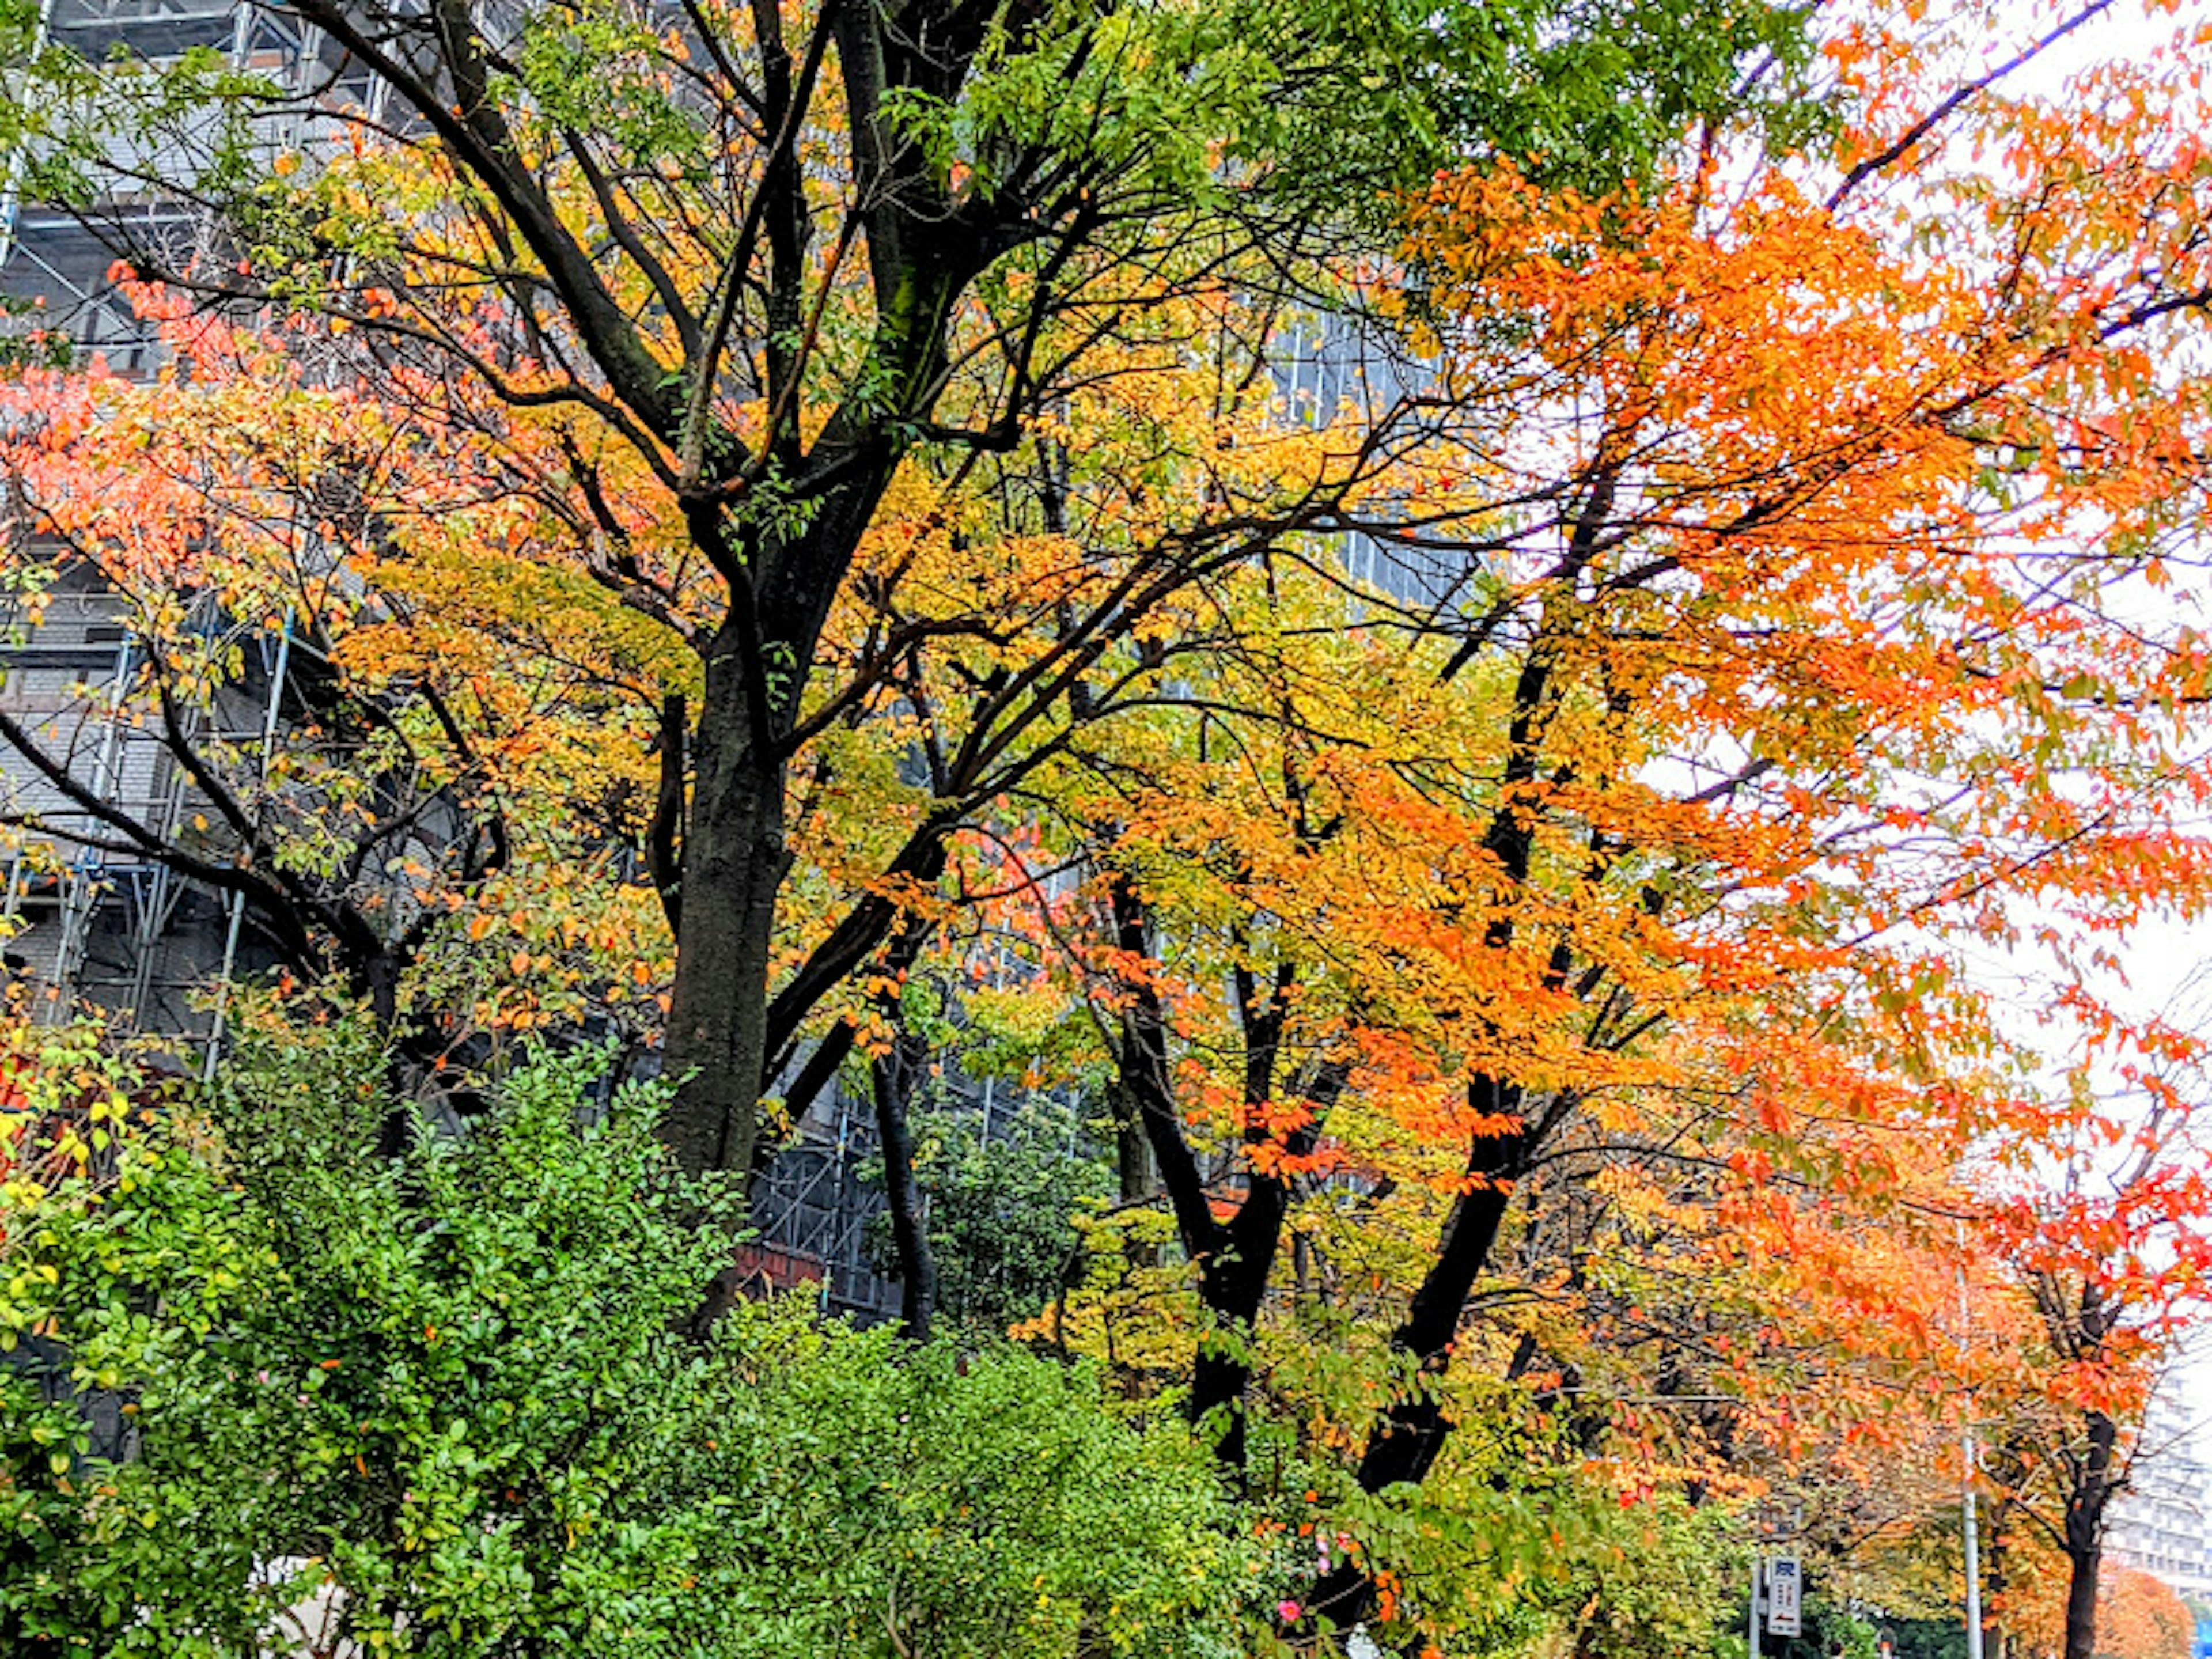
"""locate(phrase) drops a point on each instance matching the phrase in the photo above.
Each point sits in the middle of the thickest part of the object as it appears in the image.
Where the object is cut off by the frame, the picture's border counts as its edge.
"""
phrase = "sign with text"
(1785, 1596)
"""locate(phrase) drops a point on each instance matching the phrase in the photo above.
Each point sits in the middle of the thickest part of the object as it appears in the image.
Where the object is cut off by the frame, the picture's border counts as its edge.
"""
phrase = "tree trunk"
(1135, 1177)
(2085, 1535)
(1404, 1450)
(2081, 1605)
(895, 1073)
(1236, 1257)
(1221, 1375)
(734, 862)
(1233, 1282)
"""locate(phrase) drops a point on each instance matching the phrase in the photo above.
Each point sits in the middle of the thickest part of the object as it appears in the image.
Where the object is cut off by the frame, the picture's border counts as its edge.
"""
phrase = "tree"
(759, 262)
(1796, 640)
(2104, 1236)
(509, 721)
(1468, 958)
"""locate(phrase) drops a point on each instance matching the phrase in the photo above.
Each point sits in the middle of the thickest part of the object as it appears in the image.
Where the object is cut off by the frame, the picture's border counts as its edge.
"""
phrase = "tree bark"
(664, 836)
(1135, 1177)
(896, 1073)
(734, 866)
(1233, 1280)
(1235, 1257)
(1404, 1448)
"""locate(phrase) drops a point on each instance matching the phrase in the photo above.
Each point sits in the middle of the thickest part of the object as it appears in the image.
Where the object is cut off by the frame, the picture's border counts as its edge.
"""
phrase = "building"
(2162, 1524)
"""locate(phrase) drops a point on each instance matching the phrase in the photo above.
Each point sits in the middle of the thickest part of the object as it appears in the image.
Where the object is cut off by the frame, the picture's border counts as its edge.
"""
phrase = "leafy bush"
(99, 1198)
(452, 1392)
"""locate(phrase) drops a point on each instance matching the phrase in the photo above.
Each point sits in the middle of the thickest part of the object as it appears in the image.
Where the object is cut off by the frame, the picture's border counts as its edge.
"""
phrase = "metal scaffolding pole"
(237, 922)
(1966, 1475)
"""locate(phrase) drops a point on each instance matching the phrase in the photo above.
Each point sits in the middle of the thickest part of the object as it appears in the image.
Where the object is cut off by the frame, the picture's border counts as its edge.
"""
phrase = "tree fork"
(1404, 1450)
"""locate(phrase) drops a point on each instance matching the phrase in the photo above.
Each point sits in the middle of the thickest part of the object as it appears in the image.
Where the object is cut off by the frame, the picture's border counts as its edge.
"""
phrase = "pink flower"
(1288, 1611)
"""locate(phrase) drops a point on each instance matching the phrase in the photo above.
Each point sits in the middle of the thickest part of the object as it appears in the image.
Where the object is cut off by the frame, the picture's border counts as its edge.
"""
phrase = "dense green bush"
(101, 1200)
(455, 1387)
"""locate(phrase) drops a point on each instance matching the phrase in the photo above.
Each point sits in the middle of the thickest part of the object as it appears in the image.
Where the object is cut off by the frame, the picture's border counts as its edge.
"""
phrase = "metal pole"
(1966, 1475)
(1758, 1566)
(1973, 1558)
(268, 722)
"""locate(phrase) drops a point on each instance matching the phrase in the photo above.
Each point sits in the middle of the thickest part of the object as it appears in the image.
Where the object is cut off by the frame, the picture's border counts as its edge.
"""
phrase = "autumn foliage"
(1583, 871)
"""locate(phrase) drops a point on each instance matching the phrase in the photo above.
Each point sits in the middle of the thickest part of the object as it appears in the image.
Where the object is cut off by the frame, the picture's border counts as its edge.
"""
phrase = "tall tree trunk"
(1135, 1179)
(1404, 1448)
(895, 1075)
(1236, 1257)
(1233, 1280)
(1221, 1374)
(2081, 1605)
(734, 862)
(2085, 1535)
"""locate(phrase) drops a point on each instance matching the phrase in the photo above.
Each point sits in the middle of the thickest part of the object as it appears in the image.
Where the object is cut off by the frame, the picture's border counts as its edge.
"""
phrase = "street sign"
(1785, 1596)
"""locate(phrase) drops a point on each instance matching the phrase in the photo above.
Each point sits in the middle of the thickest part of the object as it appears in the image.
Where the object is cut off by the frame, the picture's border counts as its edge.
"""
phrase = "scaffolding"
(813, 1208)
(55, 263)
(87, 924)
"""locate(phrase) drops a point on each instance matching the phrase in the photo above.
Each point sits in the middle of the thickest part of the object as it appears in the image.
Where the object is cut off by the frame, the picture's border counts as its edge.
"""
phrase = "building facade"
(2162, 1524)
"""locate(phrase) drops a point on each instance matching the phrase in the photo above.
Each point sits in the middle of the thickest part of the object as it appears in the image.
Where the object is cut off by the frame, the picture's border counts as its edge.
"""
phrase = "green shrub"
(455, 1388)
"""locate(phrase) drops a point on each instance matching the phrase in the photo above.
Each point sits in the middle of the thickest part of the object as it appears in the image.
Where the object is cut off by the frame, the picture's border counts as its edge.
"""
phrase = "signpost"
(1785, 1596)
(1778, 1579)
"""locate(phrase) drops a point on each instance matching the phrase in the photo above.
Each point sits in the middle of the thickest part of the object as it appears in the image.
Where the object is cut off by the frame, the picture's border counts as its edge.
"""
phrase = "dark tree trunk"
(1134, 1175)
(1404, 1448)
(1236, 1257)
(664, 836)
(1233, 1283)
(2081, 1603)
(1221, 1375)
(2085, 1535)
(733, 864)
(896, 1073)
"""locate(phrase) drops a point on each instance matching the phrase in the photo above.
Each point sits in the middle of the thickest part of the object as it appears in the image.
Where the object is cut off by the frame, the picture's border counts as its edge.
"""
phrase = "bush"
(454, 1387)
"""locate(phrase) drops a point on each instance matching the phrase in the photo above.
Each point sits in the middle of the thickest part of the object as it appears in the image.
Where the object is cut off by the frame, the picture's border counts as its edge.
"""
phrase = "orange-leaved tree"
(1807, 525)
(2099, 1212)
(355, 758)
